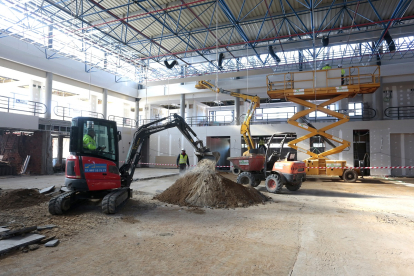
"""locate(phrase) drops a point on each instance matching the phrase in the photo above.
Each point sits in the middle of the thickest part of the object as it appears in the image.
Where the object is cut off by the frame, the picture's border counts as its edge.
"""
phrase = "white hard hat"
(339, 65)
(182, 149)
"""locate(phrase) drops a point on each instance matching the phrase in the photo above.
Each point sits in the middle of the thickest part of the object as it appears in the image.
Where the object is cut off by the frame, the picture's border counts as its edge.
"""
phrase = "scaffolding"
(332, 86)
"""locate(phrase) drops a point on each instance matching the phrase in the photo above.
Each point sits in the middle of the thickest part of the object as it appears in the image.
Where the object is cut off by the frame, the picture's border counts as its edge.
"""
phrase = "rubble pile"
(203, 187)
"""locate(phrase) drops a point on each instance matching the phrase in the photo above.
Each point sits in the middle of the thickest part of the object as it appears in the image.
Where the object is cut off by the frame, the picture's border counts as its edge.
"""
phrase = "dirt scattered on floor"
(130, 219)
(21, 198)
(196, 210)
(203, 187)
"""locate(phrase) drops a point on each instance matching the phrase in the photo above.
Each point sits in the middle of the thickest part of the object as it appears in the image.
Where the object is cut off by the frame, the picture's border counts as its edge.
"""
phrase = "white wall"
(169, 142)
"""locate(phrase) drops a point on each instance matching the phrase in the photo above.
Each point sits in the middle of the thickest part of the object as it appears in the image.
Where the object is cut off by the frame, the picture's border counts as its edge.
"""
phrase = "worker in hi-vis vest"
(326, 67)
(262, 145)
(89, 141)
(342, 74)
(182, 161)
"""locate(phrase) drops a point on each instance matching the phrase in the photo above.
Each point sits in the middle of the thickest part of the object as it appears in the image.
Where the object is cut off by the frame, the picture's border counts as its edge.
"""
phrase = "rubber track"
(55, 204)
(109, 201)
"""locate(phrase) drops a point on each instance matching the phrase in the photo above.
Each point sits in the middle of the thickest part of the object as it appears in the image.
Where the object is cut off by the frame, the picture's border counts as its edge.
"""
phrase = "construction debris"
(203, 187)
(34, 247)
(17, 242)
(52, 243)
(47, 190)
(46, 240)
(49, 226)
(3, 229)
(17, 232)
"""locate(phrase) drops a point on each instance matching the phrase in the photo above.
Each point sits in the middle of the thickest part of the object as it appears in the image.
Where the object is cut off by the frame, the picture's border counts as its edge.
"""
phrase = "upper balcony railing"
(399, 112)
(323, 84)
(123, 122)
(217, 120)
(13, 105)
(67, 113)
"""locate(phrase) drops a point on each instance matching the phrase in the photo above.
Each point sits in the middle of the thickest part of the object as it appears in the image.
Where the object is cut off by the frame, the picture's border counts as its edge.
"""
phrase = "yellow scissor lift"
(329, 85)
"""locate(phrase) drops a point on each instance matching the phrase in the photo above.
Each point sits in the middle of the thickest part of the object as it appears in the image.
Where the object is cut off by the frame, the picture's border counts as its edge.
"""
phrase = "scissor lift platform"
(329, 85)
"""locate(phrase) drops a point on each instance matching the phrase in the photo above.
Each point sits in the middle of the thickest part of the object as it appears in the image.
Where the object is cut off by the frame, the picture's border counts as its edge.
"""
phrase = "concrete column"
(60, 150)
(378, 101)
(299, 108)
(94, 103)
(105, 103)
(137, 110)
(237, 110)
(48, 96)
(182, 106)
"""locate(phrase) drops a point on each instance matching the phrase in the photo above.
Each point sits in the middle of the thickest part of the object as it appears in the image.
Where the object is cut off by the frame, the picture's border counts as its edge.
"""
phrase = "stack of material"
(203, 187)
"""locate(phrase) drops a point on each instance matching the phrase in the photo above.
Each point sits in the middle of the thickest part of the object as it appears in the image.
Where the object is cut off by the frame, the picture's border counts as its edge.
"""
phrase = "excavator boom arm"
(134, 153)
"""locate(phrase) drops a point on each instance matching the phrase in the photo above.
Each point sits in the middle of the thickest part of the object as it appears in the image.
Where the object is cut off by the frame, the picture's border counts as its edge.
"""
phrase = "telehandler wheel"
(274, 184)
(350, 176)
(293, 186)
(246, 178)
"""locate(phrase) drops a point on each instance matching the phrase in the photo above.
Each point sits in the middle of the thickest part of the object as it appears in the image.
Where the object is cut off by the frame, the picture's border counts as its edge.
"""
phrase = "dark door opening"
(222, 145)
(361, 150)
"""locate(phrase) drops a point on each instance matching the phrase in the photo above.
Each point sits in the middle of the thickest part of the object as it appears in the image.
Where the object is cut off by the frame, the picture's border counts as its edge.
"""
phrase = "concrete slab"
(49, 226)
(52, 243)
(16, 242)
(47, 190)
(3, 229)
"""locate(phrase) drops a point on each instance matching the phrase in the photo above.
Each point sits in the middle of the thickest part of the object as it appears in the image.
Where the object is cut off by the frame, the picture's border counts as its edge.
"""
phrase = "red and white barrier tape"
(398, 167)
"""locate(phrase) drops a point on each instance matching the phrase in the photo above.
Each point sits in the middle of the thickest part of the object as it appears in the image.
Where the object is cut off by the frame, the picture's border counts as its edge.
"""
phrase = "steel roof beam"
(227, 12)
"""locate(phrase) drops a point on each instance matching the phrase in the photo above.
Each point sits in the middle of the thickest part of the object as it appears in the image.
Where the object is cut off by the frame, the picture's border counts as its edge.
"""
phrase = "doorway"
(362, 150)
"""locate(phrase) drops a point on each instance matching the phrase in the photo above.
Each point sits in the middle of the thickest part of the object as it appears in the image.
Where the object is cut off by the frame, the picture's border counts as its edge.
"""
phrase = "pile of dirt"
(21, 198)
(203, 187)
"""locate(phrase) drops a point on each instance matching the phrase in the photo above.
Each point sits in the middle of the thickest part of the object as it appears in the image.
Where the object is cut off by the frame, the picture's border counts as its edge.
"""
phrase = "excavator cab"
(93, 160)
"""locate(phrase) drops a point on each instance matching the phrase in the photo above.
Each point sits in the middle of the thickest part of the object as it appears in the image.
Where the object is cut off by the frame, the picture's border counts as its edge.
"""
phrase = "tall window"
(226, 116)
(355, 109)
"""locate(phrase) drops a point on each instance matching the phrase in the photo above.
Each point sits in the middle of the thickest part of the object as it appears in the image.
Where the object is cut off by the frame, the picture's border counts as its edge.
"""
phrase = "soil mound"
(20, 198)
(203, 187)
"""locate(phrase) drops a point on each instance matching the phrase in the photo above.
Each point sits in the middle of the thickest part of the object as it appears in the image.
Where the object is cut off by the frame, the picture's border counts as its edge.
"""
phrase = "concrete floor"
(58, 179)
(326, 228)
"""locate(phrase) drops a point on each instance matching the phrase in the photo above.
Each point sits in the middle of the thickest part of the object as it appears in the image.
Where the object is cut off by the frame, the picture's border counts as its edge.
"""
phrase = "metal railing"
(399, 112)
(13, 105)
(210, 120)
(122, 121)
(268, 118)
(68, 113)
(364, 114)
(355, 75)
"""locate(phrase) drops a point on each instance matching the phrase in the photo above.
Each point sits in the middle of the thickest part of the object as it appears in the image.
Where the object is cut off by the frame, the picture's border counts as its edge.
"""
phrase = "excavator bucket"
(214, 156)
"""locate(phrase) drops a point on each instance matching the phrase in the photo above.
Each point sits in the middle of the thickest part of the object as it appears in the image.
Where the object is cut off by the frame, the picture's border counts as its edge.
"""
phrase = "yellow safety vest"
(326, 67)
(342, 72)
(183, 159)
(88, 142)
(261, 142)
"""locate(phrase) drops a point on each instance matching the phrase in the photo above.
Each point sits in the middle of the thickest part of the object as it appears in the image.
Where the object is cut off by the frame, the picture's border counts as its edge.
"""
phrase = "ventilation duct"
(390, 42)
(220, 61)
(325, 41)
(272, 53)
(170, 66)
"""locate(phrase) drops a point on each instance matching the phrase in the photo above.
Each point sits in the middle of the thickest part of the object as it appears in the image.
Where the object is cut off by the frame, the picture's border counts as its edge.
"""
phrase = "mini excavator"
(254, 103)
(93, 171)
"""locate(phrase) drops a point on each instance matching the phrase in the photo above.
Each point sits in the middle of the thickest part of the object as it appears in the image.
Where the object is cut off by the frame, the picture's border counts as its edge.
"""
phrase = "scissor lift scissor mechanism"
(329, 85)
